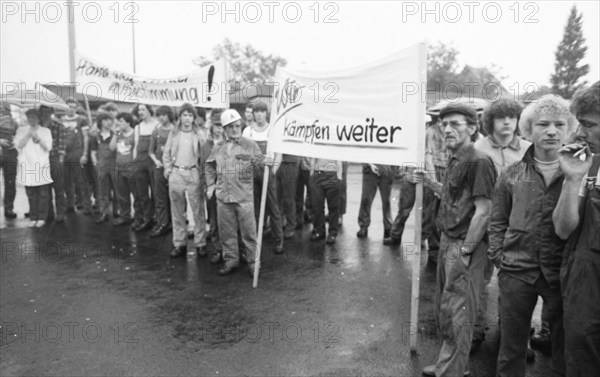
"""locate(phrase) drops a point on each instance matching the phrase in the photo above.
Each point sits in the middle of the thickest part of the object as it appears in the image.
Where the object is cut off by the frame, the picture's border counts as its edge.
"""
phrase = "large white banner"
(205, 87)
(374, 113)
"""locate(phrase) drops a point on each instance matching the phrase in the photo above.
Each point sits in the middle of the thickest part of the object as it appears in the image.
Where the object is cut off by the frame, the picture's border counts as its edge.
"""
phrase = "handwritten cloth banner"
(205, 87)
(374, 113)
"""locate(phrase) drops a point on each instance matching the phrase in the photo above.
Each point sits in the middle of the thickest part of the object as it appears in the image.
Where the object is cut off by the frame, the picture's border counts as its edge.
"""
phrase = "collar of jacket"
(464, 153)
(515, 143)
(530, 162)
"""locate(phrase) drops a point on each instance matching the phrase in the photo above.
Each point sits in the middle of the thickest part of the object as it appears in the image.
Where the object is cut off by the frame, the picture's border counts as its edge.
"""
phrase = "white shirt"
(34, 161)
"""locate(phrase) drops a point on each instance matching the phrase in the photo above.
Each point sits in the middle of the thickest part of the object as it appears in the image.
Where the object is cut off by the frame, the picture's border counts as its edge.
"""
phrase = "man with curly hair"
(576, 218)
(505, 147)
(523, 244)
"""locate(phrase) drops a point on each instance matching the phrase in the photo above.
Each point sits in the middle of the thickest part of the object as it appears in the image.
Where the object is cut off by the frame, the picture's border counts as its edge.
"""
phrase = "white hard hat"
(229, 116)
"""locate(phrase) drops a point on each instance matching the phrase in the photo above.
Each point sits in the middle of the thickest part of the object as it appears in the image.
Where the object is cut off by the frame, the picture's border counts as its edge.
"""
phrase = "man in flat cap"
(465, 208)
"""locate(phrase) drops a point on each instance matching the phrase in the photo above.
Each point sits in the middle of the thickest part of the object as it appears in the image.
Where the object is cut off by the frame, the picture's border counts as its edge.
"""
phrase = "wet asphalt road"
(80, 299)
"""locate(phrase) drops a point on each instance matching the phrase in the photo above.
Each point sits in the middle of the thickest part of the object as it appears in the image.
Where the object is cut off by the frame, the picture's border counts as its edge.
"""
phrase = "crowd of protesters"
(513, 189)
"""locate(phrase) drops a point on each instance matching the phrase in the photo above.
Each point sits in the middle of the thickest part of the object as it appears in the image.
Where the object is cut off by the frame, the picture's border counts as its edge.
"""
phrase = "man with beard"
(466, 196)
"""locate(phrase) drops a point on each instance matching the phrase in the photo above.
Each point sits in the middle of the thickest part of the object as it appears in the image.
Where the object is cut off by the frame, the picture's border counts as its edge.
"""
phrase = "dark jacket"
(521, 232)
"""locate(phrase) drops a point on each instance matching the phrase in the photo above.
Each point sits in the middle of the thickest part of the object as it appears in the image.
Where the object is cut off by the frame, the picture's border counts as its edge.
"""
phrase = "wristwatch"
(464, 251)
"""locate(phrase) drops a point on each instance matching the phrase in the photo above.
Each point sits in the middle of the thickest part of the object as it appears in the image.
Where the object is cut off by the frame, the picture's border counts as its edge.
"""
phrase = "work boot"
(331, 239)
(316, 236)
(363, 232)
(289, 234)
(216, 257)
(178, 251)
(278, 248)
(146, 225)
(159, 231)
(541, 340)
(430, 371)
(228, 268)
(102, 219)
(10, 214)
(201, 251)
(121, 221)
(391, 241)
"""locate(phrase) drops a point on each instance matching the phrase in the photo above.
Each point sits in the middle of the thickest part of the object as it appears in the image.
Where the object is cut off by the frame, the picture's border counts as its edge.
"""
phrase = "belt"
(185, 167)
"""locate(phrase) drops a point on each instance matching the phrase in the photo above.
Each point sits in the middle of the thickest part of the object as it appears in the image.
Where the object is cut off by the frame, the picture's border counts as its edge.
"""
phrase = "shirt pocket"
(455, 179)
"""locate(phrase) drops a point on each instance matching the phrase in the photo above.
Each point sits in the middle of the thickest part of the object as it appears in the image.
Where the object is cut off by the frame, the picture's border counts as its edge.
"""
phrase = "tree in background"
(442, 66)
(443, 75)
(570, 51)
(246, 64)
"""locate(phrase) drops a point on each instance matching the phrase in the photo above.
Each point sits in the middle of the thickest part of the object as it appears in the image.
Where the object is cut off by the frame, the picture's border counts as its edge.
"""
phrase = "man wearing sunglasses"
(465, 208)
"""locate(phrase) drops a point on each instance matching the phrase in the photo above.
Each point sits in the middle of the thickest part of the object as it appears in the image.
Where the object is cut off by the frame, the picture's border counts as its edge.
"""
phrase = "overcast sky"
(341, 34)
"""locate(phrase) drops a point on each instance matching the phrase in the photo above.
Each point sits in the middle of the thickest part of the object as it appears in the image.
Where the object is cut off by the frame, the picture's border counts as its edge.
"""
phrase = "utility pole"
(72, 44)
(133, 43)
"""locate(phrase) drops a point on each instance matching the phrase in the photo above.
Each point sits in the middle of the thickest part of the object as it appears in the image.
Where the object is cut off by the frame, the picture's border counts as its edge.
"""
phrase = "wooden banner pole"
(261, 221)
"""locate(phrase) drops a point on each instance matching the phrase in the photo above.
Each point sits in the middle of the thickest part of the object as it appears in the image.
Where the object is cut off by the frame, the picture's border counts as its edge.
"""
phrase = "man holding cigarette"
(576, 218)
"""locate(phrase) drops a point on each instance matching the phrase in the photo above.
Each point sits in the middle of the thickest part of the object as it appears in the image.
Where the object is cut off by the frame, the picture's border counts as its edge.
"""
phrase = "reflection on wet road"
(85, 299)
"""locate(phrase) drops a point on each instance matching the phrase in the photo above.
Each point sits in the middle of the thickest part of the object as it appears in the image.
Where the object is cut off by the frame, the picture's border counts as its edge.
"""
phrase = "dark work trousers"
(58, 187)
(162, 203)
(38, 202)
(580, 283)
(370, 183)
(302, 204)
(581, 292)
(8, 163)
(456, 301)
(518, 302)
(92, 181)
(75, 177)
(126, 186)
(343, 190)
(325, 186)
(105, 181)
(213, 233)
(287, 180)
(272, 205)
(145, 181)
(235, 220)
(429, 230)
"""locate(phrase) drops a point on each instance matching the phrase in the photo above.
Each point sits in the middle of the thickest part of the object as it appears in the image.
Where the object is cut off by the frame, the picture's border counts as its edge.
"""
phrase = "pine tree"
(570, 52)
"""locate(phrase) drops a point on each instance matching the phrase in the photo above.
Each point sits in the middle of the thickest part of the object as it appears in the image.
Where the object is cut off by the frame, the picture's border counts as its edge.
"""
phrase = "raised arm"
(566, 214)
